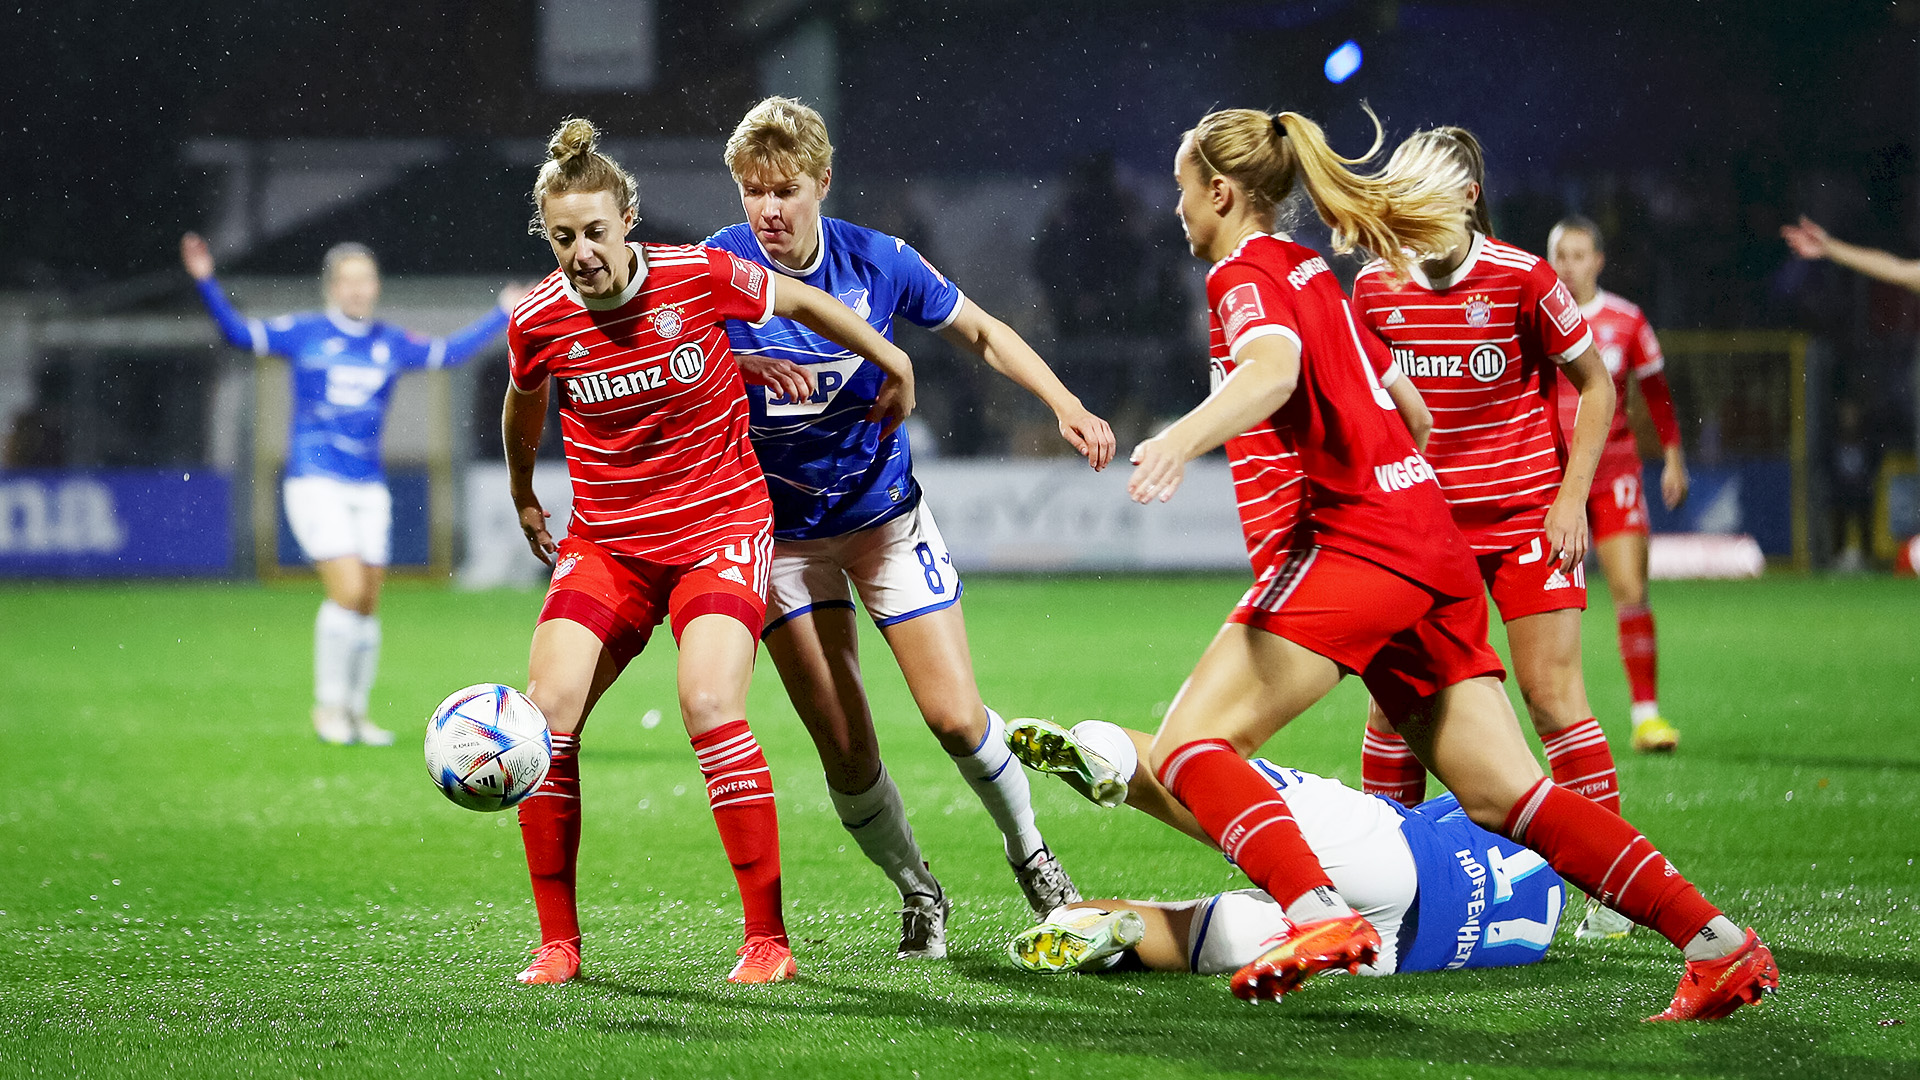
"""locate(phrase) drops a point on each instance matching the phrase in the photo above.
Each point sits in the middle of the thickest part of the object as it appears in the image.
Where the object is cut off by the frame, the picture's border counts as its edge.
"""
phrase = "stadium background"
(1025, 149)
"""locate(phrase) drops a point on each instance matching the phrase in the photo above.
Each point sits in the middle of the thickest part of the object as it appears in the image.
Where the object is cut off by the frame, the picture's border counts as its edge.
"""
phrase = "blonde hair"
(573, 165)
(1396, 216)
(780, 136)
(1455, 144)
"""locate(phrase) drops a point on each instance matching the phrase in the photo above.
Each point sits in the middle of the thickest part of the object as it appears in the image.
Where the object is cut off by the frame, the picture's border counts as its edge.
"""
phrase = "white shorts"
(333, 518)
(1357, 838)
(900, 568)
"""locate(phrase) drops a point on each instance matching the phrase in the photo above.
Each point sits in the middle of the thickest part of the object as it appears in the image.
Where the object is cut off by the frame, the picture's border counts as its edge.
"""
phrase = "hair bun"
(574, 138)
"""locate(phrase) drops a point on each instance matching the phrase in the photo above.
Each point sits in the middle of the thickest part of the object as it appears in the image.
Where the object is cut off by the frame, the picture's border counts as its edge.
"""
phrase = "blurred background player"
(1387, 587)
(344, 365)
(1617, 503)
(846, 507)
(1480, 329)
(1443, 892)
(670, 515)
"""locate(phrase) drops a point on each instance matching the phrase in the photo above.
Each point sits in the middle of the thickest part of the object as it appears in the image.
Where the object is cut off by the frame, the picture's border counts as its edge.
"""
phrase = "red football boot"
(554, 962)
(763, 960)
(1349, 942)
(1711, 989)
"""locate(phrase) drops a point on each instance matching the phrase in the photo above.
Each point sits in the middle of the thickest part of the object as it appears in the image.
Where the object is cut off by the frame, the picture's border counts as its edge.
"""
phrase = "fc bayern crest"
(666, 323)
(566, 567)
(1479, 311)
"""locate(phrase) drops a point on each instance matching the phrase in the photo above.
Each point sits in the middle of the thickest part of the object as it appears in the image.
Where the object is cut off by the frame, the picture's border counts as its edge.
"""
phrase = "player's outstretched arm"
(1809, 241)
(522, 419)
(1006, 352)
(198, 260)
(833, 320)
(1567, 517)
(1268, 371)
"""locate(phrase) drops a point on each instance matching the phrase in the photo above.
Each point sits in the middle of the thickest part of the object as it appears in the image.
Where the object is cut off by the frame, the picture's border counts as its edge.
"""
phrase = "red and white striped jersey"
(1335, 465)
(1482, 344)
(652, 408)
(1627, 344)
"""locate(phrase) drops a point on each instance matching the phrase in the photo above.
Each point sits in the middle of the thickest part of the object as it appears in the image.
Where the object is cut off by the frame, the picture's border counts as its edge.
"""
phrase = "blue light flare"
(1343, 62)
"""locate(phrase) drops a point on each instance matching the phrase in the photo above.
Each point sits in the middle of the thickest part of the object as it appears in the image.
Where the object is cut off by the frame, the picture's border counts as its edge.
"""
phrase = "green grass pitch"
(191, 885)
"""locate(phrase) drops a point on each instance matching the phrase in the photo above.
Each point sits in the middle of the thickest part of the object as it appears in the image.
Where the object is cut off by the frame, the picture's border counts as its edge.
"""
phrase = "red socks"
(550, 829)
(740, 790)
(1640, 653)
(1580, 761)
(1603, 855)
(1389, 769)
(1243, 814)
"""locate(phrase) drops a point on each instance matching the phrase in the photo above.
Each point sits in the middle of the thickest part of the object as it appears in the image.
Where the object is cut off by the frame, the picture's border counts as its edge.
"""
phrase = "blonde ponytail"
(1399, 218)
(575, 165)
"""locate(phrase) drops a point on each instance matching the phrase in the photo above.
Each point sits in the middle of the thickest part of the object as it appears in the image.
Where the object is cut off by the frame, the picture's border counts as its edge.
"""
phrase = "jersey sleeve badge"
(1240, 306)
(1561, 309)
(749, 277)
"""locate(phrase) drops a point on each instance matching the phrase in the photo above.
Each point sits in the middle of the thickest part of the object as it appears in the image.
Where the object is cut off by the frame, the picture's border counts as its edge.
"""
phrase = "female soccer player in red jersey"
(670, 514)
(1480, 329)
(1379, 579)
(1616, 506)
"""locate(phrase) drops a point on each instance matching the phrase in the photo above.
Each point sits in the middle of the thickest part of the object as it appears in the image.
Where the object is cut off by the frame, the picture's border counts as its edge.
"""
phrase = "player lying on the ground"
(1443, 892)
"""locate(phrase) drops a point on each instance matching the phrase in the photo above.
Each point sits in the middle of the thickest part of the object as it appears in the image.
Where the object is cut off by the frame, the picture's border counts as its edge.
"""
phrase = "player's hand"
(1807, 239)
(893, 404)
(1567, 532)
(196, 256)
(533, 522)
(1674, 482)
(512, 293)
(1158, 470)
(794, 382)
(1088, 434)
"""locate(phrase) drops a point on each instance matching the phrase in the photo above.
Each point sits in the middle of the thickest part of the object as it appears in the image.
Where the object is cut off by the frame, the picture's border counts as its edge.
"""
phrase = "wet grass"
(190, 885)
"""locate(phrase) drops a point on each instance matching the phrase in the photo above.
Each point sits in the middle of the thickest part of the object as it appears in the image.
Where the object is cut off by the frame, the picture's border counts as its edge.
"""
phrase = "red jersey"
(1481, 344)
(652, 408)
(1336, 458)
(1627, 344)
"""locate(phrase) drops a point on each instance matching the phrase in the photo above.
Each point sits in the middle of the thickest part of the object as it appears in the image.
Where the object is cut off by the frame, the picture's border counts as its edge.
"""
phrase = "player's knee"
(706, 707)
(958, 726)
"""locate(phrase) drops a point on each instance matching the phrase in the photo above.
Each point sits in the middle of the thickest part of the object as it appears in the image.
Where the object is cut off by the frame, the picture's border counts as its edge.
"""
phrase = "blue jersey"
(828, 470)
(1484, 900)
(343, 375)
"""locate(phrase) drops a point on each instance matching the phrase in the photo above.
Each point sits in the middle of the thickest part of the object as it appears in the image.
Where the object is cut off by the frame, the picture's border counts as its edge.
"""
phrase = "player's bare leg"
(932, 652)
(714, 671)
(346, 651)
(1546, 663)
(1470, 739)
(1248, 685)
(568, 669)
(1623, 558)
(818, 657)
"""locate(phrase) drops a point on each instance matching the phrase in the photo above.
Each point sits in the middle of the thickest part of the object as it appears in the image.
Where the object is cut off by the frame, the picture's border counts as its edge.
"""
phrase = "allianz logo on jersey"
(1485, 364)
(1403, 474)
(829, 377)
(686, 365)
(66, 517)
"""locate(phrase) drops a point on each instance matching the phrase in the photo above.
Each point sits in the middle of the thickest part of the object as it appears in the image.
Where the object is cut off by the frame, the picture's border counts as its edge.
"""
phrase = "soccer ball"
(487, 747)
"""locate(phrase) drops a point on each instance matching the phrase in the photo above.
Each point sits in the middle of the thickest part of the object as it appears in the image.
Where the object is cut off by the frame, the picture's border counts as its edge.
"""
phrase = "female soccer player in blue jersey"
(846, 509)
(344, 365)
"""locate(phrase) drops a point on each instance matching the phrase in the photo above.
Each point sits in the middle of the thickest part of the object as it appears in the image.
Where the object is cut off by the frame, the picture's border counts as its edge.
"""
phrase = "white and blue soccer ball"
(487, 747)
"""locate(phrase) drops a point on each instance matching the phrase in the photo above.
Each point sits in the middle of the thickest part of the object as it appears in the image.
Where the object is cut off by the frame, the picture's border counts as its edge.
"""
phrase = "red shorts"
(1407, 642)
(621, 598)
(1525, 581)
(1618, 502)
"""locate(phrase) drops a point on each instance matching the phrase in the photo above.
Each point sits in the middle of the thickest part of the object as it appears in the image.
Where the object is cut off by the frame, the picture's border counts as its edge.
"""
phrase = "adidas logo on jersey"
(577, 351)
(1396, 318)
(732, 573)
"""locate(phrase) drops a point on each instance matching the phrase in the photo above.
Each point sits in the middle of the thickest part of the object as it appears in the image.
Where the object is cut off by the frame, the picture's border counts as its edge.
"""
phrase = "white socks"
(1001, 783)
(1317, 903)
(346, 656)
(877, 820)
(1110, 741)
(1715, 940)
(366, 664)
